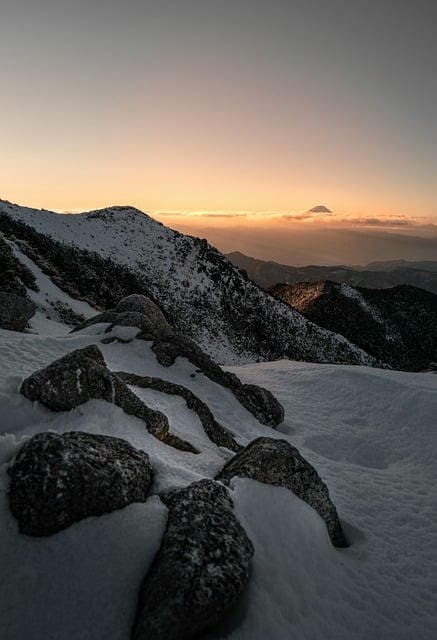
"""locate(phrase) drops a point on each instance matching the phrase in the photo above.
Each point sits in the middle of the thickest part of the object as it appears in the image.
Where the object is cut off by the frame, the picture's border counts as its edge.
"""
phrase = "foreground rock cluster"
(203, 564)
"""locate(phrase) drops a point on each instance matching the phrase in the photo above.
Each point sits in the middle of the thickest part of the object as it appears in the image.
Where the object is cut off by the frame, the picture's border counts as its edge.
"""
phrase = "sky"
(245, 107)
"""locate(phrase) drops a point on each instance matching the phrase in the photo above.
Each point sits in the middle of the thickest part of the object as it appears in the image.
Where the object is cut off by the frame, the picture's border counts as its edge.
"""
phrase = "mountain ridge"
(204, 295)
(269, 273)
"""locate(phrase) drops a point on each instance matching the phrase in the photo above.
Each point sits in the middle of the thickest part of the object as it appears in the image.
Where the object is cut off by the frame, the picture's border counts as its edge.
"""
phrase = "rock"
(133, 311)
(57, 480)
(200, 570)
(15, 311)
(260, 402)
(277, 463)
(141, 304)
(81, 376)
(134, 319)
(218, 434)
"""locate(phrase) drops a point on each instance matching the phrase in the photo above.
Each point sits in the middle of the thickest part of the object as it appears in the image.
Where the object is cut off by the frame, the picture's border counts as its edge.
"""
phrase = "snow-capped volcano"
(320, 208)
(101, 256)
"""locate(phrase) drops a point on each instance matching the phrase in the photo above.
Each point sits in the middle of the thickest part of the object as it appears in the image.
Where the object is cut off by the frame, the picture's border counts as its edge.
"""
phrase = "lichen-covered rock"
(82, 375)
(15, 311)
(57, 480)
(218, 434)
(260, 402)
(277, 463)
(200, 570)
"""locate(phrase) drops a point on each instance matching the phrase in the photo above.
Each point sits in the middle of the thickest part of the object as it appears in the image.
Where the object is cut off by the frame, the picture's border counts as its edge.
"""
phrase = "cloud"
(380, 222)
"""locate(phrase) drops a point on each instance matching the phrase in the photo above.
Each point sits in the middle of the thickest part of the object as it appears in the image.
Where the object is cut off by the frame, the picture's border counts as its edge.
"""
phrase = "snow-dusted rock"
(133, 311)
(141, 304)
(276, 462)
(215, 431)
(72, 380)
(260, 402)
(201, 568)
(82, 375)
(57, 480)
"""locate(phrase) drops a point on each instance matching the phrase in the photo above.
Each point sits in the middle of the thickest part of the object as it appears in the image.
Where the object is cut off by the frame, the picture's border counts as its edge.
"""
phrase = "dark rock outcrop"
(200, 570)
(132, 311)
(277, 463)
(15, 311)
(81, 376)
(218, 434)
(141, 304)
(57, 480)
(16, 308)
(260, 402)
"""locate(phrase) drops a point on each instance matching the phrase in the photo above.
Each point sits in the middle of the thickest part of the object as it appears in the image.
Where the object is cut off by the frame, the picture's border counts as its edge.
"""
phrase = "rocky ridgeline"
(203, 564)
(397, 325)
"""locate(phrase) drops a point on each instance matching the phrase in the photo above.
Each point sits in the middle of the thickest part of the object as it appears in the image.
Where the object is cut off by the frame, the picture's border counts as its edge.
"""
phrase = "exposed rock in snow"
(215, 432)
(57, 480)
(260, 402)
(276, 462)
(16, 308)
(82, 375)
(133, 311)
(201, 569)
(142, 304)
(15, 311)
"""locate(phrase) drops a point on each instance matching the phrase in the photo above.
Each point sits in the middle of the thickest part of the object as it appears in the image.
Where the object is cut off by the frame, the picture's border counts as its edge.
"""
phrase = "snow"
(46, 319)
(370, 433)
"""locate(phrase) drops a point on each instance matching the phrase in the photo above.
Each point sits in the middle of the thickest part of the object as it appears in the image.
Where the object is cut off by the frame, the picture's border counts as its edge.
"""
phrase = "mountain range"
(379, 274)
(101, 256)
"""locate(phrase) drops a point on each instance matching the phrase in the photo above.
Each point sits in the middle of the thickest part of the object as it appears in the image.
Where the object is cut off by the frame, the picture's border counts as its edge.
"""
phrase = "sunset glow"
(187, 109)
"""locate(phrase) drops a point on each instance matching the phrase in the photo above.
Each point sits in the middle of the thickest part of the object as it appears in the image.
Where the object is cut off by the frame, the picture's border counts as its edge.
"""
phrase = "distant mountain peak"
(320, 208)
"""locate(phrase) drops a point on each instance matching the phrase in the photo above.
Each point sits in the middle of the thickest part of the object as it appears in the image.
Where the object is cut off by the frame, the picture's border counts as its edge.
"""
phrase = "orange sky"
(254, 107)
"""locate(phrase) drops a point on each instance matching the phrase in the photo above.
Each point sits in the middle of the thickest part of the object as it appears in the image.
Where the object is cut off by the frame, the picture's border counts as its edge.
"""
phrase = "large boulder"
(136, 303)
(133, 311)
(57, 480)
(82, 375)
(15, 311)
(200, 570)
(66, 383)
(259, 401)
(278, 463)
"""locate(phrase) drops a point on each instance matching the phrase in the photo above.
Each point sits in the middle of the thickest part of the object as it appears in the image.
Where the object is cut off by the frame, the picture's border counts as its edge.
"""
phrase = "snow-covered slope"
(371, 435)
(202, 293)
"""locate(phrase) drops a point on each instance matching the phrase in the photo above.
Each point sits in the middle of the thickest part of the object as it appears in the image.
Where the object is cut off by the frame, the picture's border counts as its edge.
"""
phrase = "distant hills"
(379, 275)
